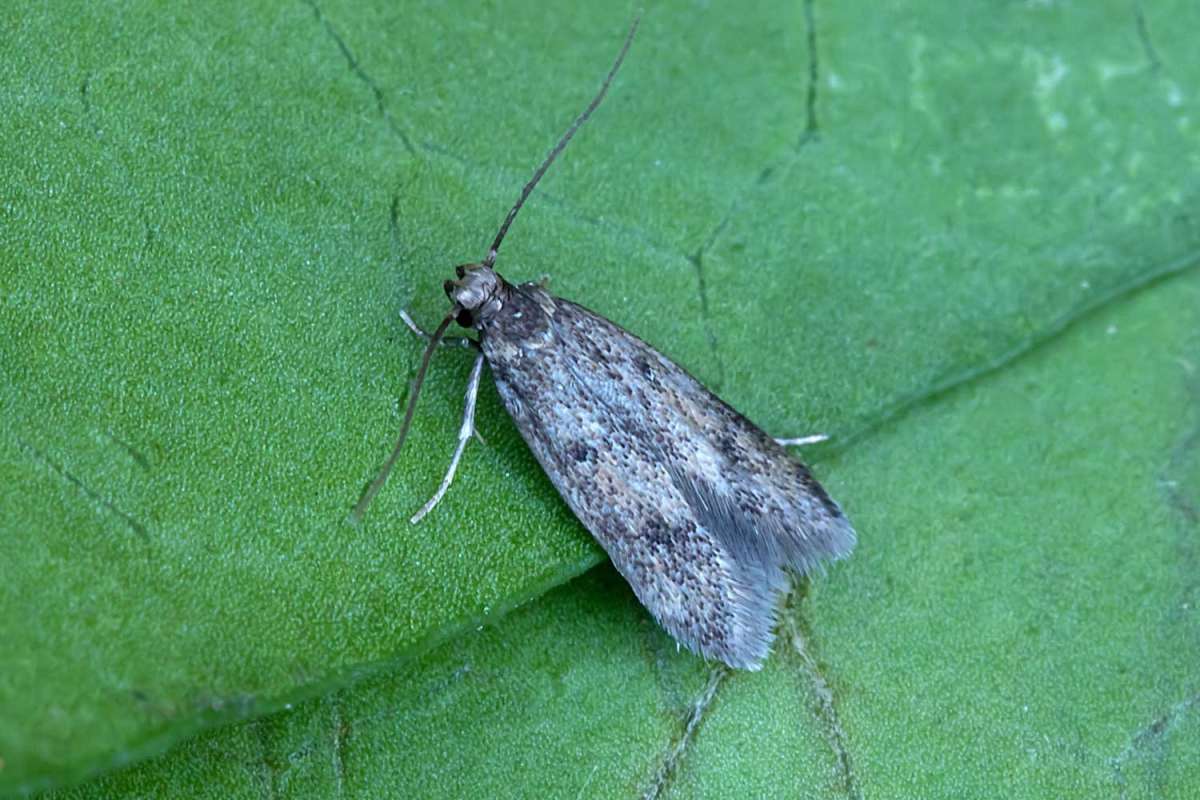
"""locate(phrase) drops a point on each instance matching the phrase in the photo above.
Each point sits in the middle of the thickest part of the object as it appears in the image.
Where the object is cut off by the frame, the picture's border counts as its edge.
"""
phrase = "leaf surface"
(830, 214)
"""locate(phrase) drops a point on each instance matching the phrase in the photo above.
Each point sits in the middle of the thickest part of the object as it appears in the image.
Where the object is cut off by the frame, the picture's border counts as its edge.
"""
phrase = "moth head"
(478, 293)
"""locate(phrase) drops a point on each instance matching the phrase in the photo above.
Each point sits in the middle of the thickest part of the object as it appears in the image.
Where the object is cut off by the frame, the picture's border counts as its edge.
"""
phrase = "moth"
(702, 512)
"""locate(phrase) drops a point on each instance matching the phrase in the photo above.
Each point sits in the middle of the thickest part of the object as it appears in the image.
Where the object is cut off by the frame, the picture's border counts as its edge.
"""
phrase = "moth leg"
(447, 341)
(802, 440)
(464, 436)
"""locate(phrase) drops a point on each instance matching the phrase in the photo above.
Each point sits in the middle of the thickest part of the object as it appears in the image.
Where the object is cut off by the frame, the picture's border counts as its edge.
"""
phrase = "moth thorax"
(479, 291)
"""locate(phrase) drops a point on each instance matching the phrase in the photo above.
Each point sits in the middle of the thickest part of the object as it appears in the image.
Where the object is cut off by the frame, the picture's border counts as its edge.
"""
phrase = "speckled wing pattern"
(699, 510)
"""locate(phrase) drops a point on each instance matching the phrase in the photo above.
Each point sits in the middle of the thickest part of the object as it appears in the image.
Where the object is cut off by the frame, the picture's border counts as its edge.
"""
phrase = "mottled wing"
(699, 509)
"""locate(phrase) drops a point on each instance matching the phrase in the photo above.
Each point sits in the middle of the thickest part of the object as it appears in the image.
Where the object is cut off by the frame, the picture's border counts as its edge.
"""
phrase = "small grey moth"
(699, 510)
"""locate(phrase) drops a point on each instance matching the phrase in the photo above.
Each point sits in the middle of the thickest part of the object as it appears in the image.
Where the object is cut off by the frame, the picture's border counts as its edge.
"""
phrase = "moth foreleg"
(447, 341)
(802, 440)
(464, 436)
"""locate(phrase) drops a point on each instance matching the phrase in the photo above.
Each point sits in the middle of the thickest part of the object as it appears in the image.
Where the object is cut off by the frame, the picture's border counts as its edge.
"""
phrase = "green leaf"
(211, 220)
(1018, 615)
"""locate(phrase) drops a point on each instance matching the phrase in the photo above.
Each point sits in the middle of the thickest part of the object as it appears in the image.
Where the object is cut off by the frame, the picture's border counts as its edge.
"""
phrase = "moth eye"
(465, 318)
(460, 270)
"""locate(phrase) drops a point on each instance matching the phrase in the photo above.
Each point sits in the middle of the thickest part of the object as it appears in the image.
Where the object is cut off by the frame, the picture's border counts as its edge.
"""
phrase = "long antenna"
(377, 484)
(562, 143)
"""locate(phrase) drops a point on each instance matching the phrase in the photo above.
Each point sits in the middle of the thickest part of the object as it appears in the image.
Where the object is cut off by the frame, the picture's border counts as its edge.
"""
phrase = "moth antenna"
(562, 143)
(360, 508)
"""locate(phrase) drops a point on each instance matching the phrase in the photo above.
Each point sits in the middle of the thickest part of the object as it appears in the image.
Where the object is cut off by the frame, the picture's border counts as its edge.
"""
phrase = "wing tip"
(761, 587)
(828, 539)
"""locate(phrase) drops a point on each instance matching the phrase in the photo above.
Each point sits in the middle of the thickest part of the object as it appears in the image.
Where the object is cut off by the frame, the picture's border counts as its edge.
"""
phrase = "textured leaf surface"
(210, 220)
(956, 655)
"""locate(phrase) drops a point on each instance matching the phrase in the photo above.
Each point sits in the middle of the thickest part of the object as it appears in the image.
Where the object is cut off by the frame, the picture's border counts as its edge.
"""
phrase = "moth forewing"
(698, 509)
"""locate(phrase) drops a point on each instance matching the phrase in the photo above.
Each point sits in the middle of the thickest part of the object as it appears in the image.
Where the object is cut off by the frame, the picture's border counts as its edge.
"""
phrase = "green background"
(960, 240)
